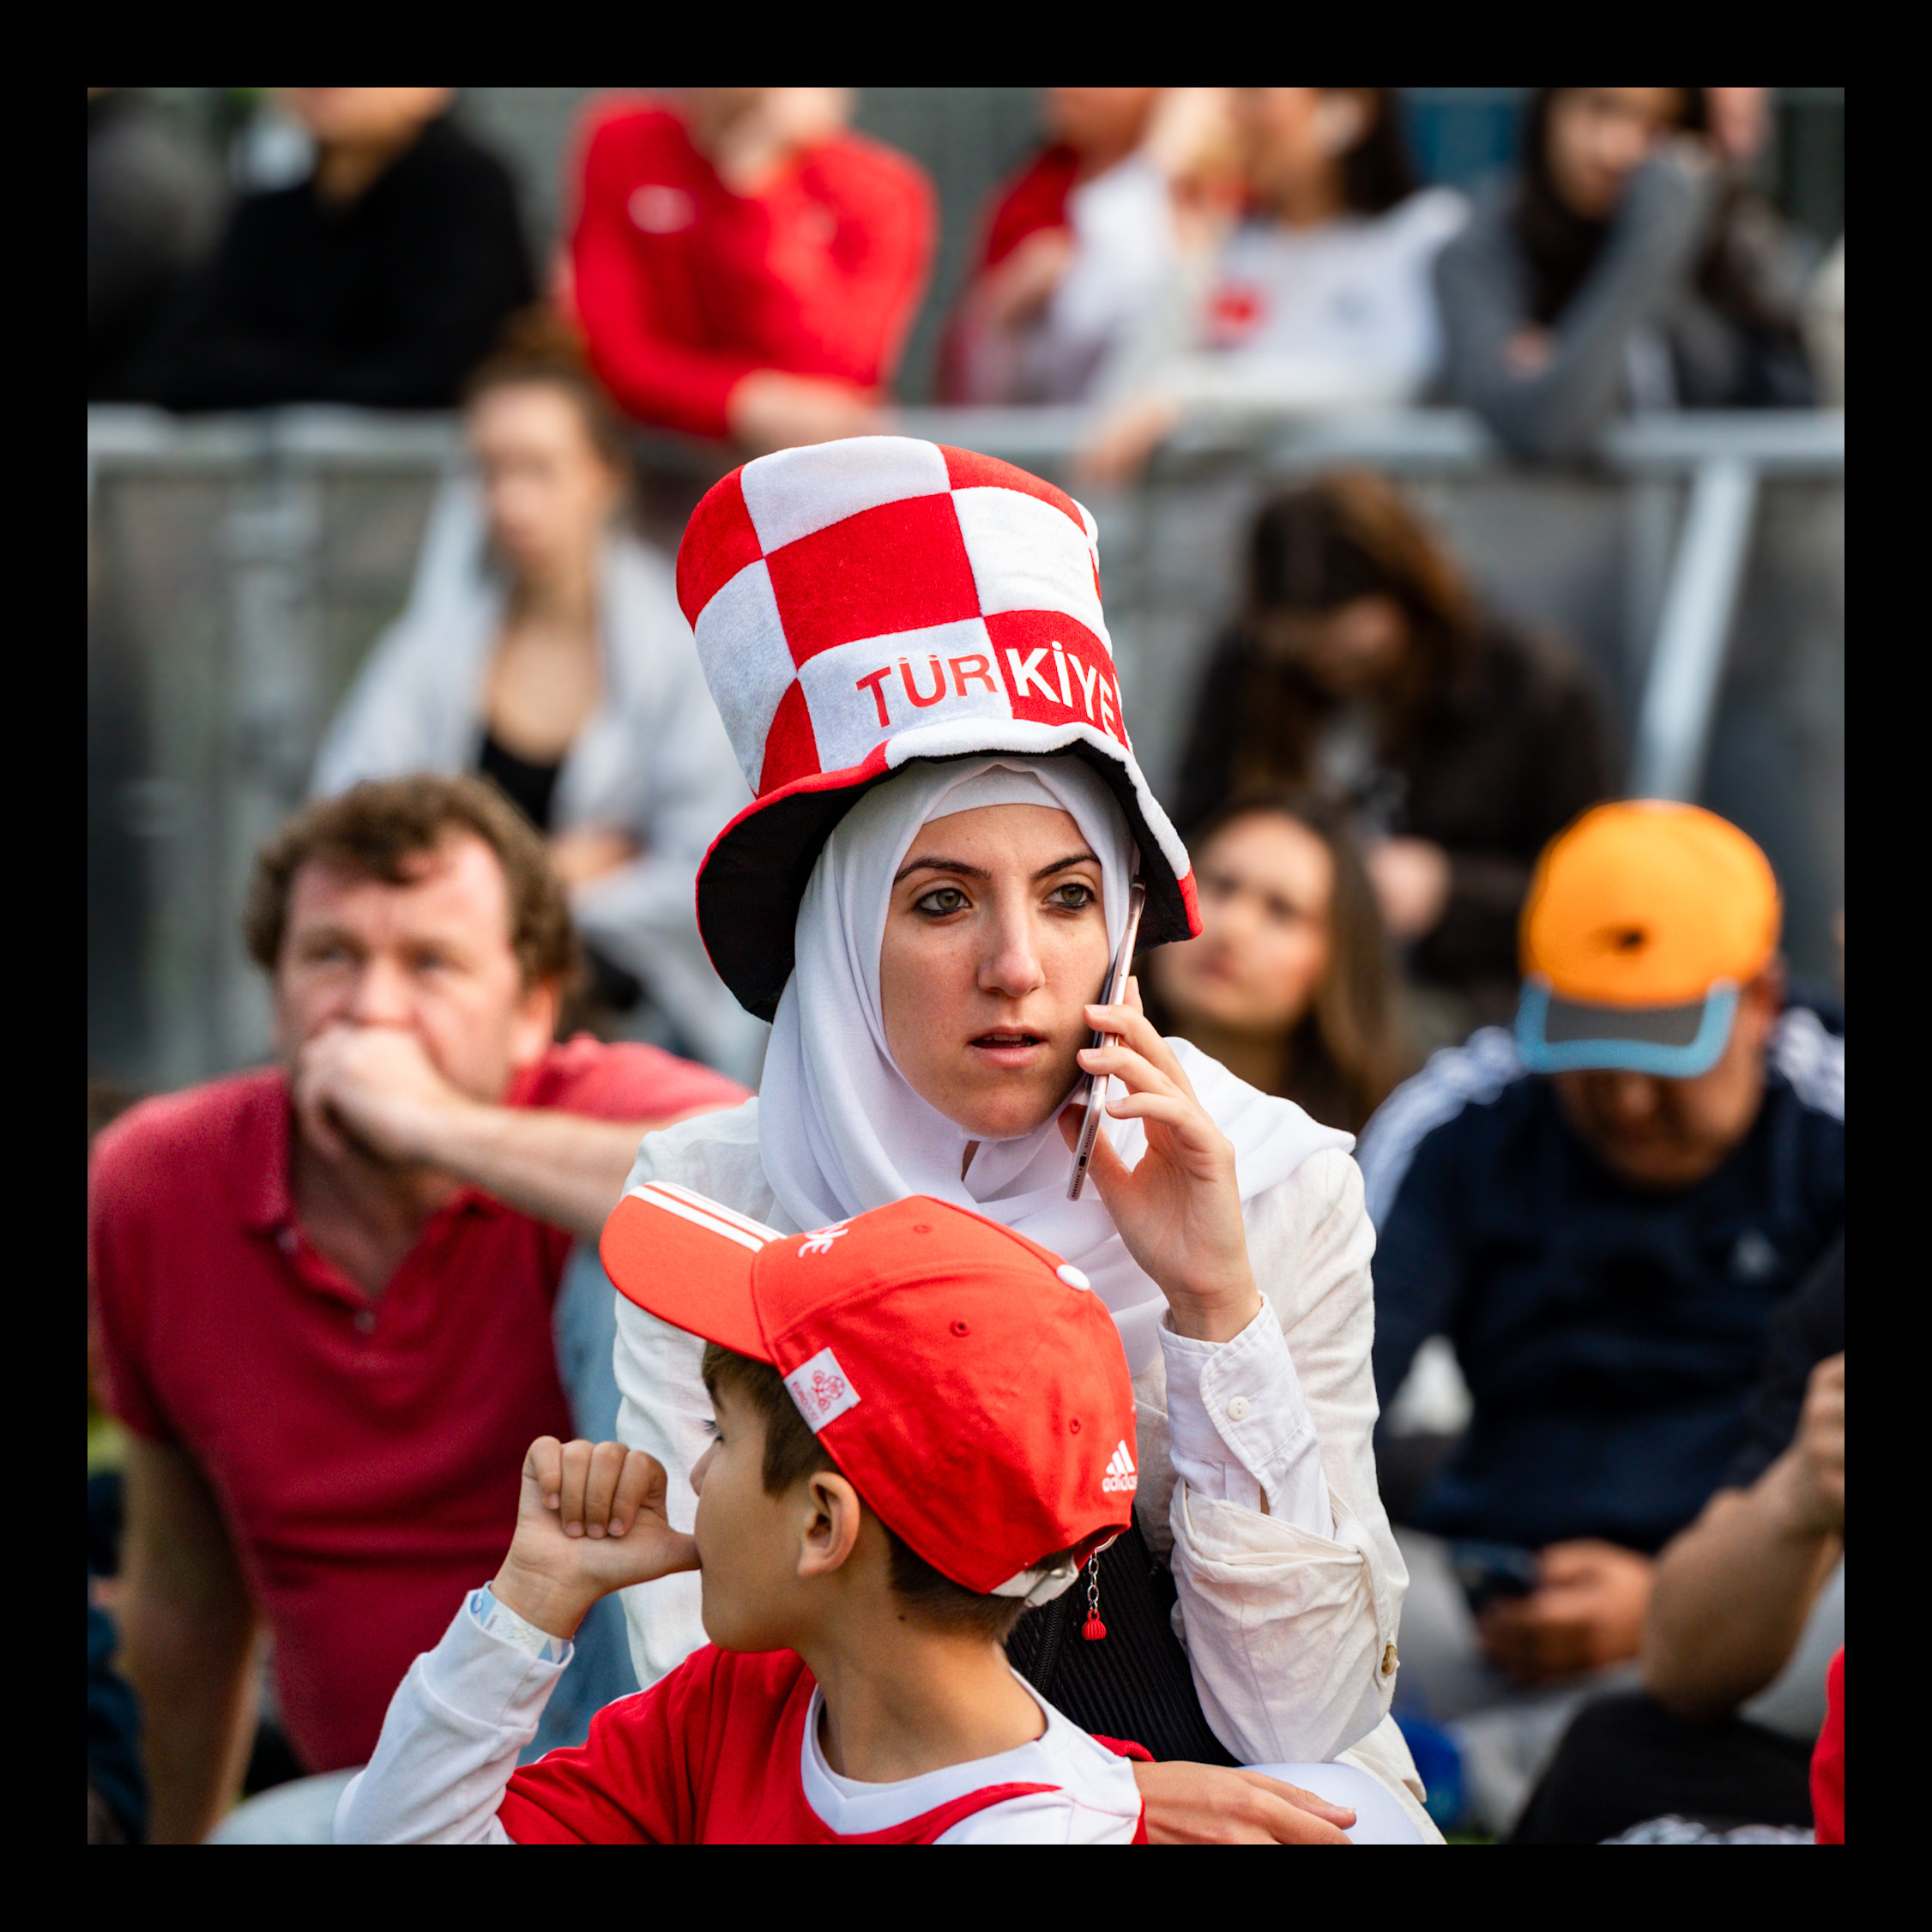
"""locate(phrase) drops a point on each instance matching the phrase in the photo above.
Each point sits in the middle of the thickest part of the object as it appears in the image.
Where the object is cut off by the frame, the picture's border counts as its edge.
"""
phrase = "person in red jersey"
(744, 265)
(325, 1317)
(924, 1423)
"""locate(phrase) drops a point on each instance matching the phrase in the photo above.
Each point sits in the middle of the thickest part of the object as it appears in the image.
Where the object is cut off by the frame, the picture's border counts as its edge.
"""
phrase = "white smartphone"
(1115, 992)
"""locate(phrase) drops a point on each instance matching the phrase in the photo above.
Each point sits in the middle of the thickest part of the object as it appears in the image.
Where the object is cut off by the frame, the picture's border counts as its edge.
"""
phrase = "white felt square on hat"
(746, 662)
(793, 492)
(1027, 556)
(953, 673)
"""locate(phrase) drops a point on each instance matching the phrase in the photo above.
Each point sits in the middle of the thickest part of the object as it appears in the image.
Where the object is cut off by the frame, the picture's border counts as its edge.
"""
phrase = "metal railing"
(240, 566)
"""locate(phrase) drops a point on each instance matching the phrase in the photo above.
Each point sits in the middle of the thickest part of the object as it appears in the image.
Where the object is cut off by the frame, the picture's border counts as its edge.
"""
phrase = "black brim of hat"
(753, 880)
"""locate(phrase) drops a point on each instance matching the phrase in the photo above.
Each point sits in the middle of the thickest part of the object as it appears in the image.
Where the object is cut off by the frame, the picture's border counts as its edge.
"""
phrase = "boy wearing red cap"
(924, 1424)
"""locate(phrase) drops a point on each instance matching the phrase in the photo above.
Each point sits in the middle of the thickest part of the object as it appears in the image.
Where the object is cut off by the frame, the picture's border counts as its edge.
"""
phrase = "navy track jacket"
(1610, 1340)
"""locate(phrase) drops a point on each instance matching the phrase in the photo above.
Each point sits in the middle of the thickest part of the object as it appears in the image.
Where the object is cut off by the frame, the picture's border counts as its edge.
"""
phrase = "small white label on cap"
(1072, 1276)
(822, 1390)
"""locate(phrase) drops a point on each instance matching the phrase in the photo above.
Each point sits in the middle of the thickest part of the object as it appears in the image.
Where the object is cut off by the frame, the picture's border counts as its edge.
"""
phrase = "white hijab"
(841, 1130)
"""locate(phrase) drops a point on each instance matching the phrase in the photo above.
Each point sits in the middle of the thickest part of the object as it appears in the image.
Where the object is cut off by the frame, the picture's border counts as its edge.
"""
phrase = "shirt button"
(1389, 1662)
(1237, 1409)
(365, 1321)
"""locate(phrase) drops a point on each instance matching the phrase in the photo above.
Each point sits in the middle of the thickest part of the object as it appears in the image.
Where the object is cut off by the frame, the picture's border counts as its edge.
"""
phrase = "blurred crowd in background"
(1610, 1305)
(1166, 252)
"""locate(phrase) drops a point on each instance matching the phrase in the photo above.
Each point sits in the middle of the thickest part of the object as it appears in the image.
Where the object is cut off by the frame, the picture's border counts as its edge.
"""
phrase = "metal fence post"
(1693, 638)
(269, 545)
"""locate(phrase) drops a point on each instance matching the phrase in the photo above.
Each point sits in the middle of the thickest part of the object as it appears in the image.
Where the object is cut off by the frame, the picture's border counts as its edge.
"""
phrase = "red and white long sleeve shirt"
(725, 1750)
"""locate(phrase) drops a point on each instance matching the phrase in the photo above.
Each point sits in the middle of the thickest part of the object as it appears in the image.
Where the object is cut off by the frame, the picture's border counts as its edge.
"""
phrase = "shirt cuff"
(496, 1619)
(1238, 1426)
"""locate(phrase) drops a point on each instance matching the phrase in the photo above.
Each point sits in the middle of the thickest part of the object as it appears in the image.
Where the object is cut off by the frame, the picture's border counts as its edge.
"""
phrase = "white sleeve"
(1290, 1629)
(1238, 1426)
(450, 1743)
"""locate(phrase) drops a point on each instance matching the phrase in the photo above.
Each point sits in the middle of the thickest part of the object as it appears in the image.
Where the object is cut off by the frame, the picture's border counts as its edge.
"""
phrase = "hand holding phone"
(1111, 995)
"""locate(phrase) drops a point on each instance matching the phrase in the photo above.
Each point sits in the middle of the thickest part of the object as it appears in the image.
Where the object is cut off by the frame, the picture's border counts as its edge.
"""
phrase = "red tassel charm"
(1093, 1629)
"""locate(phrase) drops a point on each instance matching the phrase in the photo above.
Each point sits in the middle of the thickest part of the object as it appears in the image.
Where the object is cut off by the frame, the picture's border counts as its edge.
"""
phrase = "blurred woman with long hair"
(1363, 668)
(1289, 985)
(1625, 269)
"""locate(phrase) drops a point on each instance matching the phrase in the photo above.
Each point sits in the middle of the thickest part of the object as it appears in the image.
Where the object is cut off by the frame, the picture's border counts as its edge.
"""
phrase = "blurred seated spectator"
(1320, 299)
(555, 661)
(1627, 270)
(117, 1793)
(325, 1322)
(744, 265)
(1362, 668)
(1288, 984)
(381, 281)
(1602, 1212)
(1077, 248)
(1749, 1603)
(154, 200)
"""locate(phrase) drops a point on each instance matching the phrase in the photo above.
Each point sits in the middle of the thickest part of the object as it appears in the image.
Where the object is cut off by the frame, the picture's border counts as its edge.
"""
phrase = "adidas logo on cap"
(1120, 1470)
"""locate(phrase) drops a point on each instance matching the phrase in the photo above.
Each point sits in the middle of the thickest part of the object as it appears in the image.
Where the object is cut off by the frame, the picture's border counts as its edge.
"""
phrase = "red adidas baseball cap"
(968, 1381)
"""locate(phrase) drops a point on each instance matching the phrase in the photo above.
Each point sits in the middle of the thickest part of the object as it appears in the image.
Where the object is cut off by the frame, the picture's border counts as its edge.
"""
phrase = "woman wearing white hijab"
(907, 646)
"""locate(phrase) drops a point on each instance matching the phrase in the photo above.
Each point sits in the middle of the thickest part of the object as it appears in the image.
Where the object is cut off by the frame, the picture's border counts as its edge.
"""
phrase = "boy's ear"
(833, 1512)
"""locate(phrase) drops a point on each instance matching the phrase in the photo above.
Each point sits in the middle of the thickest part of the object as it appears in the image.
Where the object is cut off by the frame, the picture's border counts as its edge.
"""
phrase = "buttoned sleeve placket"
(1239, 1428)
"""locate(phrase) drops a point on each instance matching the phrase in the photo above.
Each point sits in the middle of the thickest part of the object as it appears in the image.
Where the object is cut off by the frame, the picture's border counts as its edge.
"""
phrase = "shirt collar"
(267, 1202)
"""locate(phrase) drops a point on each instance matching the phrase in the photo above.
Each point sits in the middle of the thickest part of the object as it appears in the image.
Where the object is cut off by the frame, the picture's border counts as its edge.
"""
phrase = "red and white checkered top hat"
(967, 1379)
(858, 604)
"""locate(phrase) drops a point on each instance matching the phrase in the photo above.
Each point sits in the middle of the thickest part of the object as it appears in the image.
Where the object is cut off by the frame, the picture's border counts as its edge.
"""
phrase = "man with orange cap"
(1600, 1212)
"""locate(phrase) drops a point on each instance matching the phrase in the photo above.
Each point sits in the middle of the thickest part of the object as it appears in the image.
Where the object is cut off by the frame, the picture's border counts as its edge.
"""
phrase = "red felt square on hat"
(719, 542)
(791, 752)
(900, 567)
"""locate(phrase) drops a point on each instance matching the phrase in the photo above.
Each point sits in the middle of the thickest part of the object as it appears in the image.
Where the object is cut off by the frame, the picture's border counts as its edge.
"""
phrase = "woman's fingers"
(1302, 1800)
(1116, 1058)
(1129, 1024)
(1183, 1116)
(1289, 1824)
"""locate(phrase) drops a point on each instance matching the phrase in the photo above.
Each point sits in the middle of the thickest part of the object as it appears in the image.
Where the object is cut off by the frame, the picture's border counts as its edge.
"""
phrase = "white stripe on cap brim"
(709, 1215)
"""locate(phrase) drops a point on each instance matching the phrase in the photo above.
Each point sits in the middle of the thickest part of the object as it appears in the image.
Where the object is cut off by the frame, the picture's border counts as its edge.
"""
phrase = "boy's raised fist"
(591, 1519)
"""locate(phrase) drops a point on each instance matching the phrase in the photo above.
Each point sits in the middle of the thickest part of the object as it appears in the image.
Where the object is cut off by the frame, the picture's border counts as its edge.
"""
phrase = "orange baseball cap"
(969, 1381)
(1643, 921)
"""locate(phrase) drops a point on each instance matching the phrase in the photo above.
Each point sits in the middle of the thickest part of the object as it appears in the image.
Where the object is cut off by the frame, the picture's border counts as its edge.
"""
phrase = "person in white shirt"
(1078, 247)
(1320, 299)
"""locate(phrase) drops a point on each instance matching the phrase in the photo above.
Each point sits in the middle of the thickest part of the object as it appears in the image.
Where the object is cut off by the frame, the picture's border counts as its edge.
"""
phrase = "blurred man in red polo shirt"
(323, 1315)
(744, 265)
